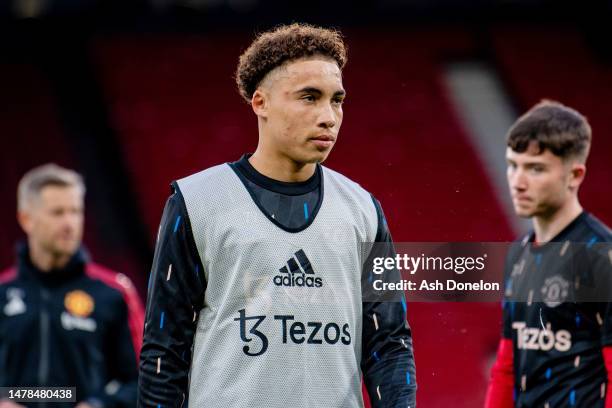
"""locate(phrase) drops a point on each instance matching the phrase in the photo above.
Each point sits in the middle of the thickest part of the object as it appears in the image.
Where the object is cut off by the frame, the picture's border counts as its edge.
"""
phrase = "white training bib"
(282, 319)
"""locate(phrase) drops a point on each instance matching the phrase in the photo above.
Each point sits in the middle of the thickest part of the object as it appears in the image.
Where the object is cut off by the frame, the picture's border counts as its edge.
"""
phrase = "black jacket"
(80, 326)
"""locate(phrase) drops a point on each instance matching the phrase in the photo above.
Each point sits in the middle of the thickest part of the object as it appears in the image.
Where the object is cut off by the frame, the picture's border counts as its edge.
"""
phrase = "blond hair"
(33, 182)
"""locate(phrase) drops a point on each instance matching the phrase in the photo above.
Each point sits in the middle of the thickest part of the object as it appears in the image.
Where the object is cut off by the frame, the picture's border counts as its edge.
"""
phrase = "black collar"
(74, 268)
(297, 188)
(564, 235)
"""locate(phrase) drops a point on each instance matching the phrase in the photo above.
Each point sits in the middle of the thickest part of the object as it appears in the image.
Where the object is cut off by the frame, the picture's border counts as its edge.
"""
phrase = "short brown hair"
(32, 183)
(555, 127)
(288, 42)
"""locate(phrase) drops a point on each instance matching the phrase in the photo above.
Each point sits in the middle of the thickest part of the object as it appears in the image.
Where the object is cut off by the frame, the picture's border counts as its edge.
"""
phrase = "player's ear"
(259, 103)
(577, 173)
(25, 221)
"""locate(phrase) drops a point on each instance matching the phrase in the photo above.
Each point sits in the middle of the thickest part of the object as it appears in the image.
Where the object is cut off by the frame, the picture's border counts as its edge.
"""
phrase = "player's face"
(54, 220)
(304, 110)
(540, 182)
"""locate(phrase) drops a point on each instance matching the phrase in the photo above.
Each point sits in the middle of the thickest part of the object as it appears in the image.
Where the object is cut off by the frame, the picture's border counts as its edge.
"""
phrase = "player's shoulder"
(110, 279)
(203, 175)
(524, 239)
(210, 182)
(518, 245)
(341, 180)
(360, 202)
(596, 229)
(8, 275)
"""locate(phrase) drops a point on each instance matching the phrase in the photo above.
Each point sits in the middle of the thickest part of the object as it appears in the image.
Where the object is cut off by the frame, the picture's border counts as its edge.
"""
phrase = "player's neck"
(45, 261)
(548, 226)
(281, 168)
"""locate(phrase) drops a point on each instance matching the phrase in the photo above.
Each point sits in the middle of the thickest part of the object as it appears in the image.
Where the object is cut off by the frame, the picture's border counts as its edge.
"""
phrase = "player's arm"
(387, 356)
(607, 357)
(602, 269)
(175, 297)
(5, 276)
(501, 385)
(121, 351)
(123, 348)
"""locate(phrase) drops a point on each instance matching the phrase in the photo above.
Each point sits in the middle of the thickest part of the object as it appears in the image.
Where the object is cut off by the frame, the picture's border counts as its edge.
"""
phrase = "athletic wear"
(500, 392)
(273, 310)
(557, 343)
(80, 326)
(290, 205)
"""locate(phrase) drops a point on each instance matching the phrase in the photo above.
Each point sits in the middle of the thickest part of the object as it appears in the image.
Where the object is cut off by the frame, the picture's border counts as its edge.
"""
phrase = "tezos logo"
(291, 332)
(532, 338)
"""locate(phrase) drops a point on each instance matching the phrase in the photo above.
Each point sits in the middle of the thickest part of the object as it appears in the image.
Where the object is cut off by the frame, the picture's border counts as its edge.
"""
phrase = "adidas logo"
(296, 276)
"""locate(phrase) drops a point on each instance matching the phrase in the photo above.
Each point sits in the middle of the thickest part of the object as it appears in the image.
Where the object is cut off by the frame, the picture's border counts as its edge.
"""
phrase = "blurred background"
(135, 94)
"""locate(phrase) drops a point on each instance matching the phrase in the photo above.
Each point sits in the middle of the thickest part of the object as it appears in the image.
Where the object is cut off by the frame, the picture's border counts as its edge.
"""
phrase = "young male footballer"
(255, 297)
(556, 347)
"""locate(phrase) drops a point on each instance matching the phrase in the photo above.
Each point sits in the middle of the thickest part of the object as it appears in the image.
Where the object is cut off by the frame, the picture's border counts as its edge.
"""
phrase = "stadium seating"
(32, 135)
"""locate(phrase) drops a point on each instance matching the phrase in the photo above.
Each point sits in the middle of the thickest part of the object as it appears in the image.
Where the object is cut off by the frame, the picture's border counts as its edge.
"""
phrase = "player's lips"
(521, 198)
(323, 140)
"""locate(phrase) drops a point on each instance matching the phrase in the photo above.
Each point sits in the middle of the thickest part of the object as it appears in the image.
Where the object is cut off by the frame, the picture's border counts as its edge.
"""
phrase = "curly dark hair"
(555, 127)
(288, 42)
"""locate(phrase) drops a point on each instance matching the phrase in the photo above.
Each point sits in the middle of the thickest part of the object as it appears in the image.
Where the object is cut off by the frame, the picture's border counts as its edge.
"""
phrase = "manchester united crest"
(555, 291)
(79, 303)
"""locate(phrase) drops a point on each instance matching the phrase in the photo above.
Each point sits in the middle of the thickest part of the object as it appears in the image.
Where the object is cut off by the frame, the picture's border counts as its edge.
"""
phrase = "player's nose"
(518, 181)
(327, 117)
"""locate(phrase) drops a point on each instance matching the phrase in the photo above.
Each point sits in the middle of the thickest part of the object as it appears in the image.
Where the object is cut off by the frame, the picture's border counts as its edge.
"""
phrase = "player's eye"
(308, 98)
(338, 101)
(537, 169)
